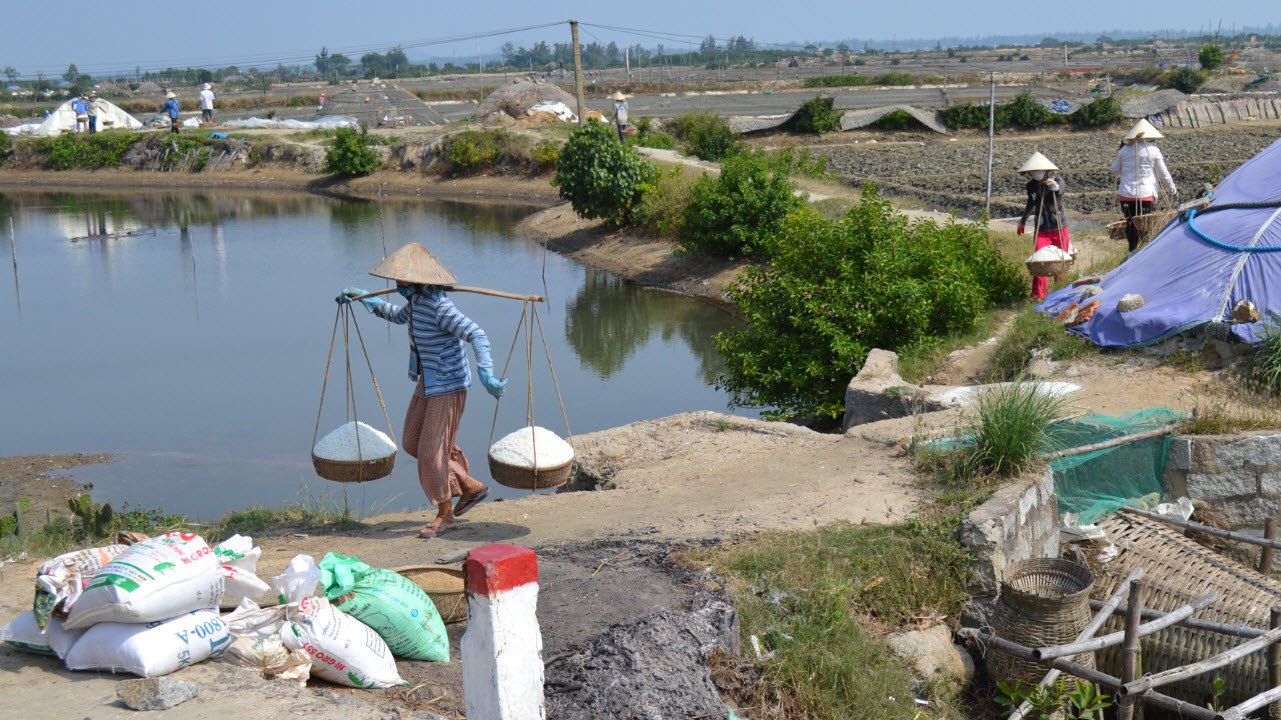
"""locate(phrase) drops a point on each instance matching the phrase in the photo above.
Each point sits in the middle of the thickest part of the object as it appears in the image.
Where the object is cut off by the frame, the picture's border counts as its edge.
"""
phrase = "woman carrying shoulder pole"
(1140, 165)
(1045, 205)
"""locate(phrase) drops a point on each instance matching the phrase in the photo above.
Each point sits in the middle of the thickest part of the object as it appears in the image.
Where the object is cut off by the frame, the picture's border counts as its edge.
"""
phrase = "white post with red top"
(502, 648)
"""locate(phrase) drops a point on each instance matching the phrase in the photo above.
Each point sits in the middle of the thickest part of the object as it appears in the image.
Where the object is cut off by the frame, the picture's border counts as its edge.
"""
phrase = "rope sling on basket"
(375, 453)
(535, 475)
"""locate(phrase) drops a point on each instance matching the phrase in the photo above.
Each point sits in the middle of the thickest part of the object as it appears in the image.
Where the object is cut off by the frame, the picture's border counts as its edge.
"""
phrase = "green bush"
(707, 135)
(647, 136)
(834, 289)
(894, 79)
(600, 177)
(471, 150)
(897, 120)
(69, 151)
(741, 212)
(837, 81)
(792, 161)
(1183, 79)
(1010, 429)
(546, 154)
(1211, 57)
(6, 144)
(664, 203)
(969, 115)
(349, 153)
(817, 116)
(1026, 112)
(1103, 111)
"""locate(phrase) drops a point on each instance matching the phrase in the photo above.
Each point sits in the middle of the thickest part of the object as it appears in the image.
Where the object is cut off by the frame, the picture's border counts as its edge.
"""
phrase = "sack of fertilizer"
(239, 559)
(25, 634)
(256, 644)
(156, 579)
(150, 649)
(342, 649)
(532, 447)
(354, 441)
(60, 581)
(397, 609)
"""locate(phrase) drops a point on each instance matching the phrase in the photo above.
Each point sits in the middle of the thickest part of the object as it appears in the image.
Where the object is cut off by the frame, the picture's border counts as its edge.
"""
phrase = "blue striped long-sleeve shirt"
(437, 330)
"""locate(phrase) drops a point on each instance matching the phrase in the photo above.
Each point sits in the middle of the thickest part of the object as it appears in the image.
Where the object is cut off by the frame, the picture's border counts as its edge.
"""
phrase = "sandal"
(465, 504)
(435, 531)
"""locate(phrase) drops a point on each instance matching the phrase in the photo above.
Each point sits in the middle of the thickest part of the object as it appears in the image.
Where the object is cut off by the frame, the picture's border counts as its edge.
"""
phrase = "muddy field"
(949, 174)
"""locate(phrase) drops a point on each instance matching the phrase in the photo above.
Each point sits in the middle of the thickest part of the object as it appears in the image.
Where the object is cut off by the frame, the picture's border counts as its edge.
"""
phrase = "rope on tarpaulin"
(1191, 218)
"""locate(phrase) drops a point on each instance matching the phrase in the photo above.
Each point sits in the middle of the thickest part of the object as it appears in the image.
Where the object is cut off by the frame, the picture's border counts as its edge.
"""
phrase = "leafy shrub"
(834, 289)
(969, 115)
(546, 154)
(1211, 57)
(647, 136)
(65, 152)
(837, 81)
(1183, 79)
(817, 116)
(664, 203)
(740, 212)
(600, 177)
(1150, 75)
(471, 150)
(1103, 111)
(1026, 112)
(301, 101)
(707, 135)
(349, 153)
(6, 145)
(897, 120)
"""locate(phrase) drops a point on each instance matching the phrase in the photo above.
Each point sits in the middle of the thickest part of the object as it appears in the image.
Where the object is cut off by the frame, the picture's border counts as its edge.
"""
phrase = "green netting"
(1097, 484)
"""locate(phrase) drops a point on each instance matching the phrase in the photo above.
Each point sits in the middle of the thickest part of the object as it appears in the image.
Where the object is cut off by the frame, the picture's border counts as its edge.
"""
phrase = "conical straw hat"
(1142, 130)
(413, 263)
(618, 95)
(1037, 162)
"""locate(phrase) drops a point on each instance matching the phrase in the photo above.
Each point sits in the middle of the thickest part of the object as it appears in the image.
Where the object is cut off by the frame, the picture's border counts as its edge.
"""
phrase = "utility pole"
(991, 130)
(578, 73)
(627, 60)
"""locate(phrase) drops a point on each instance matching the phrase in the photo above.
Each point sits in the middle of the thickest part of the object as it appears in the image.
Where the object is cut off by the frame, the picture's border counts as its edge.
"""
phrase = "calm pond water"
(197, 355)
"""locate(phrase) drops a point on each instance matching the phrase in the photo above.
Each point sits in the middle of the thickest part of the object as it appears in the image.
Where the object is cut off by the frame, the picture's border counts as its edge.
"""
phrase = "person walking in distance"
(206, 104)
(171, 108)
(1142, 169)
(620, 112)
(91, 109)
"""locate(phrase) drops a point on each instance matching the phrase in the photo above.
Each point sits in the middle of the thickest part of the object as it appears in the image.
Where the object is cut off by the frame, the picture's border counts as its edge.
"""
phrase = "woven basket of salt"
(532, 458)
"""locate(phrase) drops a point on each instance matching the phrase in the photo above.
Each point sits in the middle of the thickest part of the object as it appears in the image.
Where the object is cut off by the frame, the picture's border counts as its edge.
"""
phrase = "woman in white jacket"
(1140, 165)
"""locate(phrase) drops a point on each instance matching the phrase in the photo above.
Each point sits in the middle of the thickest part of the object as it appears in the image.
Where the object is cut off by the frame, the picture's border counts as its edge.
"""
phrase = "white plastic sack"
(152, 649)
(256, 644)
(343, 650)
(23, 633)
(60, 581)
(239, 558)
(153, 580)
(298, 581)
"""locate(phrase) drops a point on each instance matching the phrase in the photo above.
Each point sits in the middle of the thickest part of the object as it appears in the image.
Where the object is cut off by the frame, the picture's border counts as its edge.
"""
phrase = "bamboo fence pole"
(1114, 442)
(1105, 611)
(1274, 663)
(1154, 698)
(1130, 649)
(1201, 666)
(1243, 631)
(1216, 532)
(1116, 638)
(1240, 712)
(1265, 557)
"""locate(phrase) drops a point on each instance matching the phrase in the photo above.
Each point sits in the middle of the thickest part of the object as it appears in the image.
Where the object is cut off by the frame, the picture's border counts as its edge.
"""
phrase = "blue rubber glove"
(493, 385)
(350, 292)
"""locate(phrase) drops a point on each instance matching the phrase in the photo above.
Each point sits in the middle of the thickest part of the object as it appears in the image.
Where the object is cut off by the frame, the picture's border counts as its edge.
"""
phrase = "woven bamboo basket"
(446, 586)
(353, 470)
(1178, 571)
(1049, 268)
(1043, 601)
(1153, 222)
(526, 478)
(1116, 230)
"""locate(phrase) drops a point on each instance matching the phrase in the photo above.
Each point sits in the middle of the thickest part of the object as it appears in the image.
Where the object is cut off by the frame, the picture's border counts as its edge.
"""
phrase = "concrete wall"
(1020, 521)
(1237, 475)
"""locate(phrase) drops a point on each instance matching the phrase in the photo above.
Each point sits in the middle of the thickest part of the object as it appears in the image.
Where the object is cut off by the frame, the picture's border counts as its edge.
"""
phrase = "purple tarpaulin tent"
(1188, 278)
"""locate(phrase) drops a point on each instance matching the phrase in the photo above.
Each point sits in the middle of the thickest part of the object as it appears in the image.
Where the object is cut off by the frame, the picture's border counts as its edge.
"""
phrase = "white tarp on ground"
(560, 110)
(326, 123)
(64, 120)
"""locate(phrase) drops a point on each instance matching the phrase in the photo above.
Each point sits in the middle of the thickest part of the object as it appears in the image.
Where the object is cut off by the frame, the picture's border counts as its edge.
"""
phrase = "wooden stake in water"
(13, 245)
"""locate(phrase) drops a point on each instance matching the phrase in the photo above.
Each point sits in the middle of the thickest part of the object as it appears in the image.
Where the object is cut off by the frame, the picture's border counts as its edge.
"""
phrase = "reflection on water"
(187, 332)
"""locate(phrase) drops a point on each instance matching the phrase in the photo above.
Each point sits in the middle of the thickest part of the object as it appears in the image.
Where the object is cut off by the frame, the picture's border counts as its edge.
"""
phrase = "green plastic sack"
(397, 609)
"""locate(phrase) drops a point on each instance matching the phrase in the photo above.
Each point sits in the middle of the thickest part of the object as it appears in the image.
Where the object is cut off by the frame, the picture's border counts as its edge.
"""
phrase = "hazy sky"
(118, 37)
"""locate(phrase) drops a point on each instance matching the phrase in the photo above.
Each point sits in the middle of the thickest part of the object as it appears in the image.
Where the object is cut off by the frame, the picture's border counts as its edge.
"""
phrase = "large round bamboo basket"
(1043, 602)
(526, 478)
(353, 470)
(1116, 230)
(445, 585)
(1049, 268)
(1153, 222)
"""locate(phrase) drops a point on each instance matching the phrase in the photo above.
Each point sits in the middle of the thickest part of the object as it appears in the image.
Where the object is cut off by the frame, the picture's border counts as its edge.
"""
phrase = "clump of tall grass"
(1264, 374)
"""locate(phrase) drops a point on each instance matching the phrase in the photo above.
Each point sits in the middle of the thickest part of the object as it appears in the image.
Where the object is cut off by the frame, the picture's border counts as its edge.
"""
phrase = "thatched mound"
(516, 99)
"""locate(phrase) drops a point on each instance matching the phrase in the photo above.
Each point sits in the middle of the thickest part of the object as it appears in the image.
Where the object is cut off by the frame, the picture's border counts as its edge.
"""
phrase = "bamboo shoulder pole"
(1109, 443)
(1105, 611)
(1187, 710)
(1216, 532)
(1244, 631)
(1200, 667)
(463, 288)
(1171, 618)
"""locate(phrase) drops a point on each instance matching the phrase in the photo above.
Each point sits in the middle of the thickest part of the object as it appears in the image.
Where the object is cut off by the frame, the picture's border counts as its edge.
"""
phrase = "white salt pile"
(518, 448)
(341, 444)
(1049, 253)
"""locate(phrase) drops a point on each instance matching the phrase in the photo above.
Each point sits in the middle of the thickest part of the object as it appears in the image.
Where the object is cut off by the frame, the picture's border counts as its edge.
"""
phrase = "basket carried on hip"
(1043, 601)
